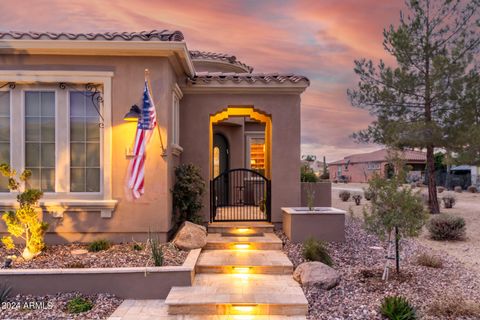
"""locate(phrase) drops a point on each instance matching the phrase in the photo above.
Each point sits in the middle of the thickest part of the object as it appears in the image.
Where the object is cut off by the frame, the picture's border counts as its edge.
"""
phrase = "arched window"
(216, 162)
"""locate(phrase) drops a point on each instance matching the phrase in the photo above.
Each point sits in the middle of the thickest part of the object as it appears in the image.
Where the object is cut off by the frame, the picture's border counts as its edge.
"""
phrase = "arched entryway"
(241, 192)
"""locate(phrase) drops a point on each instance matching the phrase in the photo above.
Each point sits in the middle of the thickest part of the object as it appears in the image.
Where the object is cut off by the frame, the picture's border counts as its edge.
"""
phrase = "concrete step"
(244, 261)
(244, 228)
(267, 241)
(228, 300)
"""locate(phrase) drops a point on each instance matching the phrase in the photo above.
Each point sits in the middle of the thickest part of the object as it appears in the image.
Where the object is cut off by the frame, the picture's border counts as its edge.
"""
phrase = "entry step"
(241, 227)
(244, 261)
(265, 241)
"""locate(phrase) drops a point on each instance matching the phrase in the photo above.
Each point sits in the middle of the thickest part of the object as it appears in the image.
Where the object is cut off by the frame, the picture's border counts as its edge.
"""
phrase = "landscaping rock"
(316, 274)
(78, 252)
(190, 236)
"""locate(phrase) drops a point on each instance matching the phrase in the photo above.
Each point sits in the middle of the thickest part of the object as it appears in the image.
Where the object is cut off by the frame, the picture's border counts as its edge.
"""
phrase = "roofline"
(241, 88)
(101, 47)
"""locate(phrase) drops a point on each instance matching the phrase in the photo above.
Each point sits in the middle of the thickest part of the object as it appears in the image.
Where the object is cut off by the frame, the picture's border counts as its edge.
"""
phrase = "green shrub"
(397, 308)
(449, 201)
(78, 305)
(4, 292)
(430, 261)
(187, 192)
(307, 174)
(99, 245)
(137, 247)
(314, 250)
(344, 195)
(156, 250)
(446, 227)
(368, 194)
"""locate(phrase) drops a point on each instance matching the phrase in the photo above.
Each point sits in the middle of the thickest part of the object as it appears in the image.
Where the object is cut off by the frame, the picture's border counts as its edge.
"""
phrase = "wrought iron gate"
(240, 195)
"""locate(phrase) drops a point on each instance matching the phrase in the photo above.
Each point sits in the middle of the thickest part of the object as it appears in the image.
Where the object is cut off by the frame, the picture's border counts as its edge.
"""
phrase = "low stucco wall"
(323, 194)
(126, 283)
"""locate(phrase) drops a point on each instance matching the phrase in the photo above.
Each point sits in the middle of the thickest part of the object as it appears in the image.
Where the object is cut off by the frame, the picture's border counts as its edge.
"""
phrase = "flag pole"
(147, 79)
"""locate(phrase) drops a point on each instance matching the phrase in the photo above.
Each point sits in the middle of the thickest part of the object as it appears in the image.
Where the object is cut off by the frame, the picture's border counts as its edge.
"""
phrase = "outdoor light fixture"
(243, 308)
(241, 269)
(242, 246)
(133, 115)
(242, 230)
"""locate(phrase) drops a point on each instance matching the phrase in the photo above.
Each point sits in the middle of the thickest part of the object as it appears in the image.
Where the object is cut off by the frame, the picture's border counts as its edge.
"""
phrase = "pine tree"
(435, 47)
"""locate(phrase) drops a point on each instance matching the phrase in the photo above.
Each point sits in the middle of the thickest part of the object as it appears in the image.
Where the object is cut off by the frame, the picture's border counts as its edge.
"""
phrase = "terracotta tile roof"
(206, 55)
(381, 155)
(223, 77)
(154, 35)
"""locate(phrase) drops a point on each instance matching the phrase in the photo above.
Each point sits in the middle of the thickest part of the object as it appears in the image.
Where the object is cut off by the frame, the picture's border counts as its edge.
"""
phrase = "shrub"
(449, 201)
(79, 305)
(472, 189)
(357, 198)
(419, 184)
(187, 192)
(458, 189)
(156, 250)
(453, 307)
(368, 194)
(440, 189)
(307, 174)
(24, 222)
(344, 195)
(397, 308)
(430, 261)
(137, 247)
(4, 292)
(315, 250)
(446, 227)
(99, 245)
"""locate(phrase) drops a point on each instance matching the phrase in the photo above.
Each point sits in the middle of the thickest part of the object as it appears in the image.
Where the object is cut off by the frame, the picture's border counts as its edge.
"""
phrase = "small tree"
(24, 222)
(394, 209)
(307, 174)
(188, 192)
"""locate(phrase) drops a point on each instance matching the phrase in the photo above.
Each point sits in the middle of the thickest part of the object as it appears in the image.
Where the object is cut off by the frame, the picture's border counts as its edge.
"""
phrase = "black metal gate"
(240, 195)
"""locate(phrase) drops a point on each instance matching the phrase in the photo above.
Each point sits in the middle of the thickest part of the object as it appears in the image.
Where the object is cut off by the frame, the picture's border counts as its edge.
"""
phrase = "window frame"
(9, 90)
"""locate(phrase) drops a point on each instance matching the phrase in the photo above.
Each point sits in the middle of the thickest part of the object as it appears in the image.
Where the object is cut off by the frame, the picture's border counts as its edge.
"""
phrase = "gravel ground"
(54, 307)
(361, 289)
(118, 255)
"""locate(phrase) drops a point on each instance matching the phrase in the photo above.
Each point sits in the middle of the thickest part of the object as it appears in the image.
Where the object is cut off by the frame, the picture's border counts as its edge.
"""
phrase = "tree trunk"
(397, 250)
(433, 205)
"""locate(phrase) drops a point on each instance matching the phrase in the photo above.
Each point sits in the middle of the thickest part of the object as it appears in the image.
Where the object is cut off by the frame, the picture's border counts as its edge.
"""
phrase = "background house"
(361, 167)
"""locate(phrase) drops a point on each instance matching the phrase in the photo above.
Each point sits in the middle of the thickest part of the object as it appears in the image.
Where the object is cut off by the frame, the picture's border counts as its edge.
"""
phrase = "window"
(4, 135)
(216, 162)
(373, 166)
(84, 144)
(40, 139)
(176, 119)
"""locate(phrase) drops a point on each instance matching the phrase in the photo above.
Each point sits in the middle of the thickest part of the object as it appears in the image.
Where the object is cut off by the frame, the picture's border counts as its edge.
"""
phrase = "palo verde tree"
(435, 46)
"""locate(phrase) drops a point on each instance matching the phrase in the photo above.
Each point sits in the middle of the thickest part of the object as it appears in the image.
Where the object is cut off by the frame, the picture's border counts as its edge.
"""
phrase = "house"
(361, 167)
(63, 101)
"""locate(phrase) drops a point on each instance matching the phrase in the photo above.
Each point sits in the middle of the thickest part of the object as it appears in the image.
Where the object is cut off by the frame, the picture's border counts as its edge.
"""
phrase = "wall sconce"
(133, 115)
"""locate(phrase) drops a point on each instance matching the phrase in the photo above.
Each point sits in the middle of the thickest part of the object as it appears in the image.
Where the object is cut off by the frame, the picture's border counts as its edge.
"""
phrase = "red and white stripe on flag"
(145, 128)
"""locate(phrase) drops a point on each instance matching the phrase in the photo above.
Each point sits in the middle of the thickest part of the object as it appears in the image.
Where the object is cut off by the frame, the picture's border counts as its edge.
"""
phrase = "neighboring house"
(361, 167)
(464, 176)
(62, 104)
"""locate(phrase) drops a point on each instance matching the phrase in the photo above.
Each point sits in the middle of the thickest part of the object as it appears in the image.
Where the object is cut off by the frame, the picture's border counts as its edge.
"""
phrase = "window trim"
(7, 89)
(17, 134)
(175, 119)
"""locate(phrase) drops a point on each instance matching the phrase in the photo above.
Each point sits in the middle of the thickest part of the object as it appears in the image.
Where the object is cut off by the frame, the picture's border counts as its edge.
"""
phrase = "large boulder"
(190, 236)
(316, 274)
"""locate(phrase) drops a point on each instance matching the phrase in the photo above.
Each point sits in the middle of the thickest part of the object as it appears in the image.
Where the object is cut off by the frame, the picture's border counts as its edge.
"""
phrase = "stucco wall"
(285, 112)
(153, 210)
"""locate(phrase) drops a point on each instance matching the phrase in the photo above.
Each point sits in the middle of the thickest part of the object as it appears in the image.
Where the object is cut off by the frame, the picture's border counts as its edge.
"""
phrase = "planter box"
(126, 283)
(322, 223)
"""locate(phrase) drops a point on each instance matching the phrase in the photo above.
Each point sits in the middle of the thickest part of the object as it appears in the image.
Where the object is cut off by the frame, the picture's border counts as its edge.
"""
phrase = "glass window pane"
(34, 181)
(32, 155)
(32, 104)
(3, 184)
(77, 104)
(4, 153)
(48, 155)
(91, 111)
(77, 155)
(48, 180)
(32, 129)
(4, 103)
(93, 180)
(93, 155)
(4, 129)
(93, 130)
(77, 180)
(48, 104)
(77, 129)
(48, 129)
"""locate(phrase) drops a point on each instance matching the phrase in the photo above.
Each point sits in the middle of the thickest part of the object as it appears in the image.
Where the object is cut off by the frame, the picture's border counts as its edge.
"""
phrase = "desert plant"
(368, 194)
(458, 189)
(446, 227)
(24, 223)
(428, 260)
(472, 189)
(449, 201)
(397, 308)
(79, 305)
(440, 189)
(137, 247)
(454, 307)
(315, 250)
(187, 192)
(5, 290)
(357, 198)
(344, 195)
(99, 245)
(307, 174)
(156, 250)
(310, 196)
(325, 174)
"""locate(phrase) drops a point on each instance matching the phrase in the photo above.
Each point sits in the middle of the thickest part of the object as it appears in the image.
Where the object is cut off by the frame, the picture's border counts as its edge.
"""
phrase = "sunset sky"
(316, 38)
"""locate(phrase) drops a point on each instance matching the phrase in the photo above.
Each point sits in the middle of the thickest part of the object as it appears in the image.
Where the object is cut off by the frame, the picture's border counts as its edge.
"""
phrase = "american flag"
(146, 124)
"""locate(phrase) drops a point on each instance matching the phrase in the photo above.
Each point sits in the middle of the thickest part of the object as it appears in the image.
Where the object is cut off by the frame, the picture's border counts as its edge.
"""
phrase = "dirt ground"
(467, 206)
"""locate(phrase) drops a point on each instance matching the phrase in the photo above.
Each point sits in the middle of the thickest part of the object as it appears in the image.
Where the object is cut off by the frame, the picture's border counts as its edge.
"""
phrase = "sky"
(316, 38)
